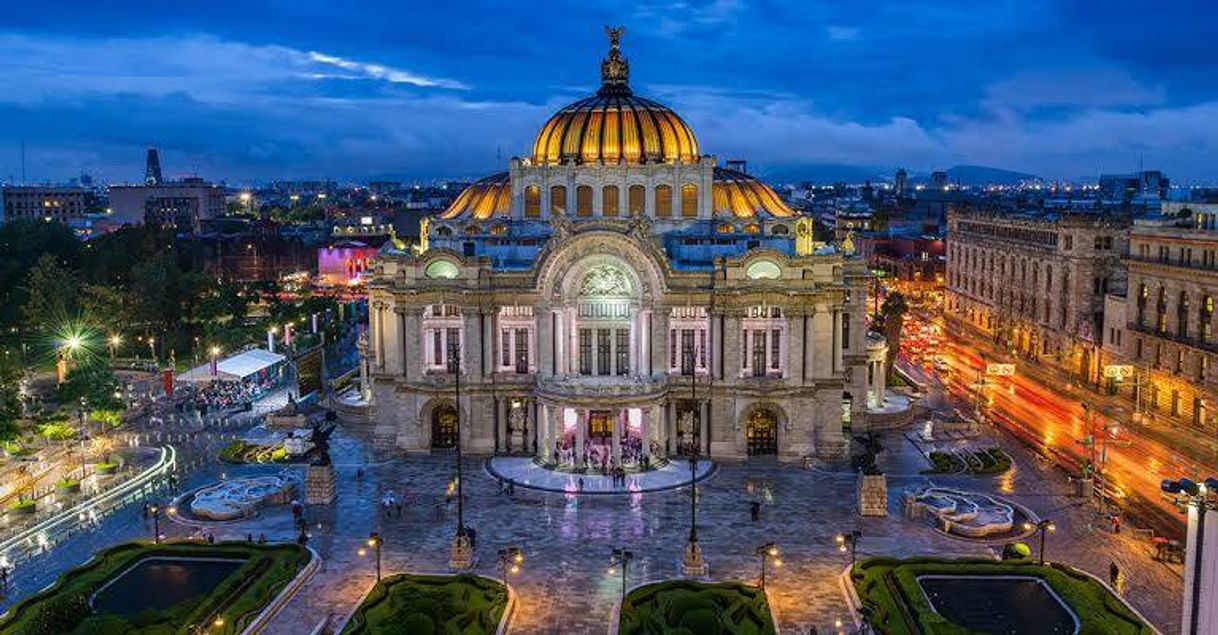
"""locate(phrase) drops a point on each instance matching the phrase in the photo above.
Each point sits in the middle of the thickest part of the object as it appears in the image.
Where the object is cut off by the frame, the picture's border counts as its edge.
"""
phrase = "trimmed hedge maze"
(430, 605)
(681, 607)
(63, 608)
(899, 607)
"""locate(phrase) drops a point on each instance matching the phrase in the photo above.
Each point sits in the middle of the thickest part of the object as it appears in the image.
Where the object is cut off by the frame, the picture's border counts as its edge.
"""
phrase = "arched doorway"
(444, 427)
(761, 433)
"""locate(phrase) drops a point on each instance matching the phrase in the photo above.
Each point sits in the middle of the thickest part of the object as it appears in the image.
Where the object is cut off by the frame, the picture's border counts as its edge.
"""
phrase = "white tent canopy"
(236, 368)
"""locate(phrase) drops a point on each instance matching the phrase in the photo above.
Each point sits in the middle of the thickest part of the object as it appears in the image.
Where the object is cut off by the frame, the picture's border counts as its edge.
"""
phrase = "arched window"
(498, 230)
(473, 230)
(638, 199)
(780, 230)
(444, 231)
(583, 200)
(532, 201)
(752, 228)
(689, 201)
(725, 228)
(609, 198)
(663, 204)
(558, 199)
(1206, 318)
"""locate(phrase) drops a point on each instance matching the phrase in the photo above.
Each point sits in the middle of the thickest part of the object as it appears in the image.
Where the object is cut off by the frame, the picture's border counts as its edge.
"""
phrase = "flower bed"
(900, 607)
(682, 607)
(426, 604)
(64, 607)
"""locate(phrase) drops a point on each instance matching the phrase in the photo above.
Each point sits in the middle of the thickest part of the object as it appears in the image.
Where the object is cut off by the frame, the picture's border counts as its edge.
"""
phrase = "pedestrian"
(4, 577)
(211, 539)
(511, 487)
(473, 537)
(249, 537)
(581, 483)
(359, 474)
(1116, 524)
(499, 482)
(399, 506)
(1114, 572)
(262, 539)
(755, 510)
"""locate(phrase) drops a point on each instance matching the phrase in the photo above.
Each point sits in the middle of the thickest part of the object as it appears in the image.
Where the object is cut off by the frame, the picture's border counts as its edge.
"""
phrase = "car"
(941, 364)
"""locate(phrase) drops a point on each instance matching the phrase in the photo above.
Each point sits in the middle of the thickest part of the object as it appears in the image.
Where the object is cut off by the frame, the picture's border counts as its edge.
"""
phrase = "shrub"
(1016, 551)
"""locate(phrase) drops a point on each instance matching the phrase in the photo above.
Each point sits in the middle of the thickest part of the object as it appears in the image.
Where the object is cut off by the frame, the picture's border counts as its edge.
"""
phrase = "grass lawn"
(901, 608)
(682, 607)
(430, 604)
(63, 608)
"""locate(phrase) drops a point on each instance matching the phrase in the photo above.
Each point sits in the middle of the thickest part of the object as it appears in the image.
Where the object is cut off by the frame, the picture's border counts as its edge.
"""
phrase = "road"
(1049, 415)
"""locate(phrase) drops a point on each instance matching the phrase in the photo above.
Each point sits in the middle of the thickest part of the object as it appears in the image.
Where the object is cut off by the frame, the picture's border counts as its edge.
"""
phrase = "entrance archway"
(444, 427)
(761, 433)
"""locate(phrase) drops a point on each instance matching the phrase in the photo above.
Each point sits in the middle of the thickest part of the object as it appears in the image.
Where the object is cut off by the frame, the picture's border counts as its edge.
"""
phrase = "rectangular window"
(505, 347)
(437, 348)
(585, 351)
(522, 351)
(845, 332)
(744, 349)
(702, 348)
(663, 195)
(687, 351)
(759, 353)
(583, 200)
(603, 351)
(672, 348)
(637, 199)
(775, 348)
(454, 348)
(623, 351)
(532, 201)
(609, 201)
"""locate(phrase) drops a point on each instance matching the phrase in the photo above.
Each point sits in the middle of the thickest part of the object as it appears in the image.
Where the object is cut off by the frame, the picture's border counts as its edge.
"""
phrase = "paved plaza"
(564, 586)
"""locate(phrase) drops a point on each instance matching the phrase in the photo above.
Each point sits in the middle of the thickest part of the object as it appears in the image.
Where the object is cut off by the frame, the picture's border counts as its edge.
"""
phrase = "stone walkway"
(564, 586)
(528, 473)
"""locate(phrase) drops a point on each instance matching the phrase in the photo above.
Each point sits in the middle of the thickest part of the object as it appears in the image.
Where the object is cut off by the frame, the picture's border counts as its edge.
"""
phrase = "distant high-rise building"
(739, 165)
(901, 181)
(1147, 184)
(938, 179)
(152, 168)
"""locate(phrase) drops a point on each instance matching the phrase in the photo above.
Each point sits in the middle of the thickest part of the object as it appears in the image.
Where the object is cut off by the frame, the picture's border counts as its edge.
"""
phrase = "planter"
(105, 469)
(23, 507)
(67, 487)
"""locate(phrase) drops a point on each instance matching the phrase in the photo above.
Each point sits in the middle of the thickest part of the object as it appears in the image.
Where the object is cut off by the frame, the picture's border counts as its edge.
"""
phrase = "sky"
(248, 91)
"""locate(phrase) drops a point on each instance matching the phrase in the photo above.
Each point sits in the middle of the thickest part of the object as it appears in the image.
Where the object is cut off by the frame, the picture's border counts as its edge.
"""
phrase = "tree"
(106, 308)
(892, 316)
(23, 242)
(94, 382)
(51, 290)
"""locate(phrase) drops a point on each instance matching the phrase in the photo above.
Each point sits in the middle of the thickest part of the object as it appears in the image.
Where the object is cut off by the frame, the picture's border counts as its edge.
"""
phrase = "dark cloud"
(253, 90)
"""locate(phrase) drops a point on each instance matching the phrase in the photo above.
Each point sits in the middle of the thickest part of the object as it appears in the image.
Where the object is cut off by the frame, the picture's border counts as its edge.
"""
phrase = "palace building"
(615, 298)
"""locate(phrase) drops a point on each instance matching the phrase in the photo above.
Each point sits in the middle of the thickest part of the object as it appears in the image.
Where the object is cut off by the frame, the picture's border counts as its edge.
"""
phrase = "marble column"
(645, 430)
(617, 437)
(581, 430)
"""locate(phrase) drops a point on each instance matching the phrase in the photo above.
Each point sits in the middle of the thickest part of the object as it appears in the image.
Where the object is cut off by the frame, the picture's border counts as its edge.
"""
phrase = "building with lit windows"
(1036, 282)
(42, 202)
(1164, 325)
(616, 298)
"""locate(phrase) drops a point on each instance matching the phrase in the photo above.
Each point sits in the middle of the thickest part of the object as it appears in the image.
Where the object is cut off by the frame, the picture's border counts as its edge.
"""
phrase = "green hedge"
(982, 462)
(63, 607)
(427, 604)
(684, 607)
(900, 607)
(242, 452)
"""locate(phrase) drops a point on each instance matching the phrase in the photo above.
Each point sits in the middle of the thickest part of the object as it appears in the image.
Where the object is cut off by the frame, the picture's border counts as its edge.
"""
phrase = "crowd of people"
(224, 395)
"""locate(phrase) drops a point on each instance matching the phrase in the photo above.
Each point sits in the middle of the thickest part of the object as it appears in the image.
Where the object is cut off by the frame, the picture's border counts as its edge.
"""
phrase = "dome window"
(444, 231)
(472, 230)
(752, 228)
(780, 230)
(442, 269)
(763, 270)
(498, 230)
(725, 228)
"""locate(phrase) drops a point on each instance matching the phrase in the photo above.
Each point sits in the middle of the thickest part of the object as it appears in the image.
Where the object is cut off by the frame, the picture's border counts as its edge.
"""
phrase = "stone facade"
(1164, 326)
(1036, 283)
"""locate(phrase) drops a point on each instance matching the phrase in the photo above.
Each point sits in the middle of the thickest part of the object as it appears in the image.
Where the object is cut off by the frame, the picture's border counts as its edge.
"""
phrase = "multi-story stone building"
(42, 202)
(1164, 325)
(1036, 282)
(615, 296)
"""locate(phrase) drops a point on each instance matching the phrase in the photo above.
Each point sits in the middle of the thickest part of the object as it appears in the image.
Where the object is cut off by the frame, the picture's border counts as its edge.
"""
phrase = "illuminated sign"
(1000, 370)
(1118, 372)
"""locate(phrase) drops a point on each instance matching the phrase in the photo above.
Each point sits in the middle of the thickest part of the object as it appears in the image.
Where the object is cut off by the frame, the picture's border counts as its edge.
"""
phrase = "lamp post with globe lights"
(849, 542)
(767, 552)
(1201, 552)
(1043, 526)
(620, 558)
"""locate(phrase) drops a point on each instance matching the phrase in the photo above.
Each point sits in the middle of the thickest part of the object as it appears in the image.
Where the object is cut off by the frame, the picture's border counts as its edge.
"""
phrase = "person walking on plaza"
(511, 487)
(1114, 572)
(755, 510)
(1116, 524)
(581, 483)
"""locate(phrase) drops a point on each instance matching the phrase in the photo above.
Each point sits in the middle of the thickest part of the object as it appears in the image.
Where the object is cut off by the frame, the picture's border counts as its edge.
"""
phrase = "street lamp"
(766, 552)
(155, 510)
(114, 342)
(1043, 526)
(693, 563)
(215, 354)
(461, 556)
(510, 559)
(375, 541)
(1198, 574)
(849, 542)
(622, 558)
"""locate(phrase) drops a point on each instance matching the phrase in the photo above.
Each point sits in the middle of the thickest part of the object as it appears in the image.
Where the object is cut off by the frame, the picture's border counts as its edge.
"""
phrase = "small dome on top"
(615, 126)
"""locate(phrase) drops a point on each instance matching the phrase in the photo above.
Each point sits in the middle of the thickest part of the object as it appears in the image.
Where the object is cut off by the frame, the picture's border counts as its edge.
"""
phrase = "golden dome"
(614, 125)
(491, 196)
(740, 195)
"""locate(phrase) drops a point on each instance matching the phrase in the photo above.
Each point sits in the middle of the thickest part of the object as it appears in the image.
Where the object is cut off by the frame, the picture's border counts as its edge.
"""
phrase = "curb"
(285, 595)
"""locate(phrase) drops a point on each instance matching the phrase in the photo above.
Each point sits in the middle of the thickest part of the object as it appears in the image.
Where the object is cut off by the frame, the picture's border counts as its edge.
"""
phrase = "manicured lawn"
(900, 607)
(63, 608)
(430, 604)
(682, 607)
(981, 462)
(242, 452)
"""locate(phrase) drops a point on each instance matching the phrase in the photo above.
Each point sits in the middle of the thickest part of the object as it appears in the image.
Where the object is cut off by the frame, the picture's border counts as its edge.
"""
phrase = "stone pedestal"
(461, 555)
(1086, 488)
(320, 485)
(873, 495)
(692, 564)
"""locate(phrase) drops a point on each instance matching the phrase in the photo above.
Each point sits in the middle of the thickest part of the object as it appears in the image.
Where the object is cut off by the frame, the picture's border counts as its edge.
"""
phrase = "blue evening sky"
(359, 89)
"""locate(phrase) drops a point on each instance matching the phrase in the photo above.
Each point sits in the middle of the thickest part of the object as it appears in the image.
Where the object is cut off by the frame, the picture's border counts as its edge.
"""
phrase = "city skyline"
(259, 93)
